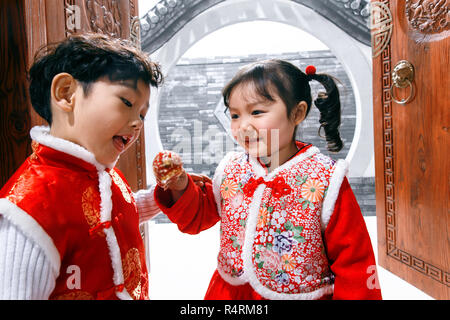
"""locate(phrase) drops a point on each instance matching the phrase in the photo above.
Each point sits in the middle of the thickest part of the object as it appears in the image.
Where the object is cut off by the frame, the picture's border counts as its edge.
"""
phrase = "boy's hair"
(292, 86)
(87, 58)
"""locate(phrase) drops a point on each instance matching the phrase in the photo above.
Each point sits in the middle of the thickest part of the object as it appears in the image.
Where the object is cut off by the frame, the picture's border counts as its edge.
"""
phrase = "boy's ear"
(63, 91)
(299, 112)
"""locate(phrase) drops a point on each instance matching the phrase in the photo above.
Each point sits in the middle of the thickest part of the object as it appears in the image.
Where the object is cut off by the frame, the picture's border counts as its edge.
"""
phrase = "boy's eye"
(142, 117)
(256, 112)
(126, 102)
(234, 116)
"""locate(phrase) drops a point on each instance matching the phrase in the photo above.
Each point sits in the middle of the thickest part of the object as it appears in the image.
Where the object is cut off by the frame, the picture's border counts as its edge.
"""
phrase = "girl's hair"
(292, 86)
(87, 58)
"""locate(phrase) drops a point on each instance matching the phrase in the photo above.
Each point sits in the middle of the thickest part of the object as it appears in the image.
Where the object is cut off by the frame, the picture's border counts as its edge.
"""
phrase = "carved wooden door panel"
(26, 26)
(15, 120)
(412, 140)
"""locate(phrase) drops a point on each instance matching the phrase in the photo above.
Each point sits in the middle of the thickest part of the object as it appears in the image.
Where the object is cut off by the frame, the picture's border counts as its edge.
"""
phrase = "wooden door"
(26, 25)
(412, 142)
(15, 108)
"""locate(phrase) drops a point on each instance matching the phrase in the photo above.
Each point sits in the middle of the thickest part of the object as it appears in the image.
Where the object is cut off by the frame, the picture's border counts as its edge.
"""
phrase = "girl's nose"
(246, 125)
(248, 131)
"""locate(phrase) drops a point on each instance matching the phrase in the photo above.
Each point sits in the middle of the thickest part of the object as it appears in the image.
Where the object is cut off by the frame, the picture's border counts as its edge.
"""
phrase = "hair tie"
(310, 72)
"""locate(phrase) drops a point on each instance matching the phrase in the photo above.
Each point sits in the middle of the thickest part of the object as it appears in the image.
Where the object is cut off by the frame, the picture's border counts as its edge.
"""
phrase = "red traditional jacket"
(84, 217)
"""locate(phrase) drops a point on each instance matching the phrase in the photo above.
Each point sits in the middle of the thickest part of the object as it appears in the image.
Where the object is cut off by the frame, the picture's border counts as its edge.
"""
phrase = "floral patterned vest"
(272, 224)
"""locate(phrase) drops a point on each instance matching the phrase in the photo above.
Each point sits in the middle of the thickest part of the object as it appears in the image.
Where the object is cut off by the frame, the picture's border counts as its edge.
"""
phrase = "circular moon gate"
(352, 51)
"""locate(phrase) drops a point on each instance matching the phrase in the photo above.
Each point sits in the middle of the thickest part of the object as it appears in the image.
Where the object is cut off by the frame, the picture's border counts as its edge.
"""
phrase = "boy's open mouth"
(120, 142)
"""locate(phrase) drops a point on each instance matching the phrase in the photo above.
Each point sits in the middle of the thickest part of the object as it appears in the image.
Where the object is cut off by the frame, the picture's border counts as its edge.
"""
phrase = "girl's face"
(262, 127)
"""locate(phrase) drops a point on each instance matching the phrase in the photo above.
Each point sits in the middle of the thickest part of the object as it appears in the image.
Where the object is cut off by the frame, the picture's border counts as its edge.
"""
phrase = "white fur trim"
(33, 230)
(42, 135)
(250, 230)
(218, 176)
(105, 215)
(340, 171)
(313, 295)
(258, 169)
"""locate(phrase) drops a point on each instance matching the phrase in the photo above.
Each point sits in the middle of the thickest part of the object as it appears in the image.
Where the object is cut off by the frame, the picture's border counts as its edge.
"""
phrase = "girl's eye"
(234, 116)
(126, 102)
(142, 117)
(256, 112)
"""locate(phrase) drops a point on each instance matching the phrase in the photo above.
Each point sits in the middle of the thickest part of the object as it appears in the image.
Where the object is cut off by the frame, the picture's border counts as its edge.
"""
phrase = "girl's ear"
(298, 114)
(62, 91)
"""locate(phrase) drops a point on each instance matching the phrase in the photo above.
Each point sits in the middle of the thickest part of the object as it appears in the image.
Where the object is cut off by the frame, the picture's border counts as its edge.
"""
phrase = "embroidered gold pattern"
(75, 295)
(34, 146)
(122, 186)
(90, 201)
(131, 265)
(19, 190)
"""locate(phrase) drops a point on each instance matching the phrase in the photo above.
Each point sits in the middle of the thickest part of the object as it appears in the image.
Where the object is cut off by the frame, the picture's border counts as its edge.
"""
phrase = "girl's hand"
(169, 172)
(180, 182)
(200, 179)
(177, 185)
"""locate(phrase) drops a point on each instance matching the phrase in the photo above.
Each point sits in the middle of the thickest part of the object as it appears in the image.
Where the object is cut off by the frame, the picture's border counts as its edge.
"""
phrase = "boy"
(69, 224)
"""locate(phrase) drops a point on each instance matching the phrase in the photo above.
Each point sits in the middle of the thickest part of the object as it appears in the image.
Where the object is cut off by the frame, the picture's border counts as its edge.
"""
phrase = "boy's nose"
(136, 123)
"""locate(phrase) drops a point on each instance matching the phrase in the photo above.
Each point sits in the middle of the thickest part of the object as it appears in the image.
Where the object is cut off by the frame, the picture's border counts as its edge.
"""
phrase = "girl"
(290, 225)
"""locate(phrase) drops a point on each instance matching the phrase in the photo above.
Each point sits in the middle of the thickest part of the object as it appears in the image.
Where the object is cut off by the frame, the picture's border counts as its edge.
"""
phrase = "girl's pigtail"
(329, 106)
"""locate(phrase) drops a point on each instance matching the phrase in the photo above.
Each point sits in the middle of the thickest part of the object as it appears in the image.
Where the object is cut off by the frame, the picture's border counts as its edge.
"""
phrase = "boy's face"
(108, 120)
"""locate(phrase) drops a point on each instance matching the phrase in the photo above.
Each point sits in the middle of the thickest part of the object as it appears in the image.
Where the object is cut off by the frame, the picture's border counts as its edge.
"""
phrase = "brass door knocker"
(403, 77)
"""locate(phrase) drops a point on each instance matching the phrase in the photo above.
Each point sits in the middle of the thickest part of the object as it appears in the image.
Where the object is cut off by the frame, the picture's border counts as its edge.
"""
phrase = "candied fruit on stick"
(166, 166)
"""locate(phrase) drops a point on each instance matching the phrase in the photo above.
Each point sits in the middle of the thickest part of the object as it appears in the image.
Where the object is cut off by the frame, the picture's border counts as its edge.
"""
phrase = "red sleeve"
(194, 212)
(350, 251)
